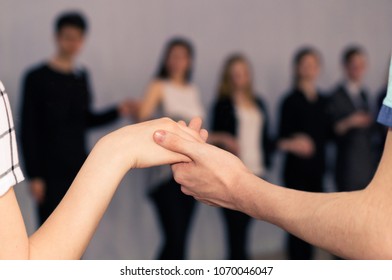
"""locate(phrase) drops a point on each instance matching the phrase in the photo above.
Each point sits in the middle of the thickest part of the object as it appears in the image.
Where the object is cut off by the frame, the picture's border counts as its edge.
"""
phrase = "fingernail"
(160, 135)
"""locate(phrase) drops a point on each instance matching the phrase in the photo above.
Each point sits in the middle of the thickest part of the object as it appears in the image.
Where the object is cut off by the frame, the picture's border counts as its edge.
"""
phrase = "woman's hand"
(300, 144)
(129, 108)
(225, 141)
(38, 189)
(133, 146)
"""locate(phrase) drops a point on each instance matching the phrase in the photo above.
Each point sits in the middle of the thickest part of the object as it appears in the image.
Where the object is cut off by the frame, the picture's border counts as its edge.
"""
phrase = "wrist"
(241, 187)
(254, 198)
(110, 153)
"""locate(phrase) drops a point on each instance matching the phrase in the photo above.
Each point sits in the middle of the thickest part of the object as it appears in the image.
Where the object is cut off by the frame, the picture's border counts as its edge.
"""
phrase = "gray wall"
(122, 52)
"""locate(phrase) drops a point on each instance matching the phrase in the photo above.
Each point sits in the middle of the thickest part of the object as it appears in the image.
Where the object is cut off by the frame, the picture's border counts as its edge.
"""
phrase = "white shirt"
(181, 103)
(354, 91)
(250, 125)
(10, 172)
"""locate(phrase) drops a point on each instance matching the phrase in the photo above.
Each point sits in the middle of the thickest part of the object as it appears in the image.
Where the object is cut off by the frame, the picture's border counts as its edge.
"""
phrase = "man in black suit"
(353, 124)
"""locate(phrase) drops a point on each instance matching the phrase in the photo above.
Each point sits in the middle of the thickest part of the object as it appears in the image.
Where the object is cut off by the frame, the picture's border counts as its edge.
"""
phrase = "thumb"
(175, 143)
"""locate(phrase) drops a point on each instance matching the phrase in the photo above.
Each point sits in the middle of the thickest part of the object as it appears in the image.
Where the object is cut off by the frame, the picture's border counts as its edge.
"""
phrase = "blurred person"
(240, 125)
(303, 134)
(353, 124)
(172, 94)
(56, 113)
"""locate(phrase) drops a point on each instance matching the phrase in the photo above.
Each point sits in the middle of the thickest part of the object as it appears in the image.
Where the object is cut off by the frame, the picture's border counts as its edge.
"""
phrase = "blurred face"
(308, 68)
(240, 76)
(178, 61)
(69, 41)
(356, 68)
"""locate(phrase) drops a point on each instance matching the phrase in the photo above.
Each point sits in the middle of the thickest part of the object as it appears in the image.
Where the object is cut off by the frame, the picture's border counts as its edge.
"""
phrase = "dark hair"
(299, 56)
(350, 52)
(163, 72)
(72, 19)
(225, 88)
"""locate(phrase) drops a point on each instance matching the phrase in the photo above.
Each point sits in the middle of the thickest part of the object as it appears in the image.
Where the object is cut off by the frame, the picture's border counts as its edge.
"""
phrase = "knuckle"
(185, 191)
(178, 177)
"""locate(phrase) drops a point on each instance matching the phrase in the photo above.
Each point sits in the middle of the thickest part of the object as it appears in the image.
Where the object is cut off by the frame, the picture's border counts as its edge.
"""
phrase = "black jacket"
(224, 119)
(298, 115)
(355, 162)
(56, 113)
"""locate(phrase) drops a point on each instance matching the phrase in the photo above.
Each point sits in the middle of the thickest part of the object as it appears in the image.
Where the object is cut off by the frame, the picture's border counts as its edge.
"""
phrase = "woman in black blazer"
(303, 133)
(240, 126)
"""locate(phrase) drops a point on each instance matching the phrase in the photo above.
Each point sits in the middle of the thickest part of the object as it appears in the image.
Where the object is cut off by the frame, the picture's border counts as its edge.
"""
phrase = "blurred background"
(124, 44)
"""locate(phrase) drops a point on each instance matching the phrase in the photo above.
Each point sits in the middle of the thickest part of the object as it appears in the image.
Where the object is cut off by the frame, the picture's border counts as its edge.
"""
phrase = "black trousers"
(237, 228)
(175, 212)
(297, 249)
(56, 188)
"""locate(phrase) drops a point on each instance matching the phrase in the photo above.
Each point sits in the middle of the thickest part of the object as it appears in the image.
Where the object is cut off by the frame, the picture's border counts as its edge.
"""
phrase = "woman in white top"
(240, 126)
(171, 94)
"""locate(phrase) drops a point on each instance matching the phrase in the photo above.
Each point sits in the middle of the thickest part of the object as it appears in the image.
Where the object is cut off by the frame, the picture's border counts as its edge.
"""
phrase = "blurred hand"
(225, 141)
(38, 190)
(300, 144)
(360, 120)
(129, 108)
(231, 144)
(356, 120)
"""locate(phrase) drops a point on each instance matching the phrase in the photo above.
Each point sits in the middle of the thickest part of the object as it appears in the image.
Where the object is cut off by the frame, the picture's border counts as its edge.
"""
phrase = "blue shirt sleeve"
(385, 115)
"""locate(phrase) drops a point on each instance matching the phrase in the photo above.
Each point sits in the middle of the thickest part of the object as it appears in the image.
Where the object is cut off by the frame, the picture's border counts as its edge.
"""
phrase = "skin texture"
(152, 99)
(67, 232)
(354, 225)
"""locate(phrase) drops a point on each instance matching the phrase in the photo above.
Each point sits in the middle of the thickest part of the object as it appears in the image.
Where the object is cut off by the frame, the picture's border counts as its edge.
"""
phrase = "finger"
(186, 191)
(182, 123)
(195, 134)
(204, 134)
(196, 124)
(175, 143)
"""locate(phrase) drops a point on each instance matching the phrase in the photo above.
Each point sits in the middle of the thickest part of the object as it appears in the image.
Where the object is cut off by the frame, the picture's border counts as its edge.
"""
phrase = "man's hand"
(355, 120)
(213, 176)
(133, 146)
(38, 189)
(360, 120)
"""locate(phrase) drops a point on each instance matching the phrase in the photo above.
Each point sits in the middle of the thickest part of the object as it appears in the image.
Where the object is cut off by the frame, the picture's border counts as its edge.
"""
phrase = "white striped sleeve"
(10, 172)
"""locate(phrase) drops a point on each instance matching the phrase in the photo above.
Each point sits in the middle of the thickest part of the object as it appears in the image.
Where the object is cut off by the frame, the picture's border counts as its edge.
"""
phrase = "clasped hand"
(207, 173)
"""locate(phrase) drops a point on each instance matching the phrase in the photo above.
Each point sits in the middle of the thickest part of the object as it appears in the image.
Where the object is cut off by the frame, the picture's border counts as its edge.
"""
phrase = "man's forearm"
(337, 222)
